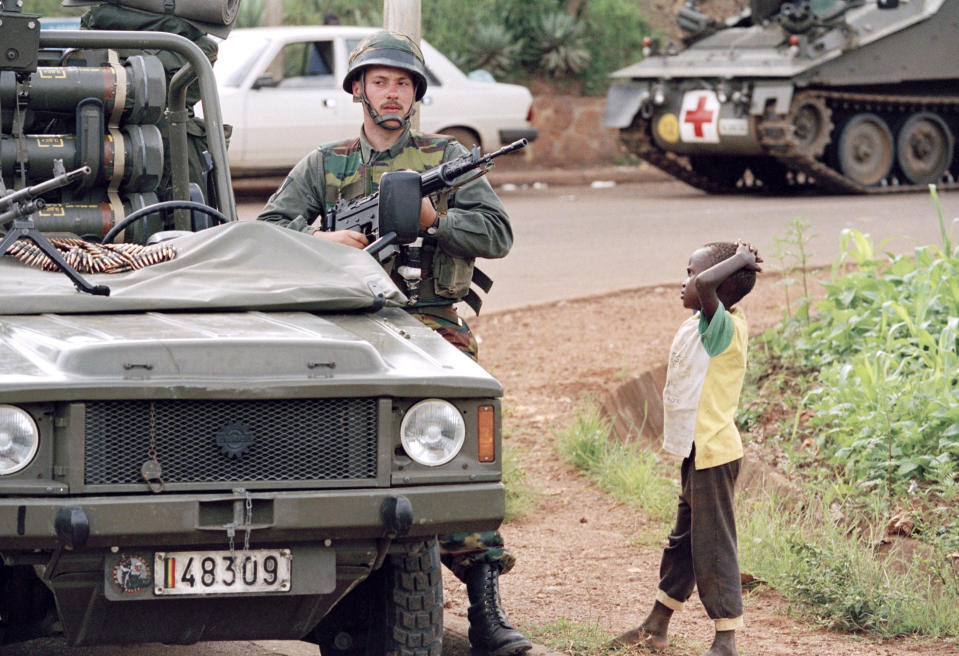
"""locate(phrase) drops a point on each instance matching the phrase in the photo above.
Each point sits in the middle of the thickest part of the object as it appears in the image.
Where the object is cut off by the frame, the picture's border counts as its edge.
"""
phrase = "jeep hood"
(245, 309)
(231, 354)
(239, 265)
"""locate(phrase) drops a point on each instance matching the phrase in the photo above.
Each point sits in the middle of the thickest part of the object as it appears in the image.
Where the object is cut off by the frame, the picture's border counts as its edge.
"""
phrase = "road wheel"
(397, 610)
(812, 123)
(865, 149)
(924, 148)
(465, 136)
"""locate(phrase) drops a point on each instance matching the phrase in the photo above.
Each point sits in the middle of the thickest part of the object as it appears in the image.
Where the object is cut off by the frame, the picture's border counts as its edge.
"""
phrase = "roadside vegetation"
(571, 44)
(855, 398)
(520, 496)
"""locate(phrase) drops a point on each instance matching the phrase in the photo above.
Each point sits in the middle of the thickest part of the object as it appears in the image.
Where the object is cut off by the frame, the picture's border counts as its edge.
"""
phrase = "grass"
(835, 574)
(520, 497)
(570, 637)
(632, 475)
(820, 554)
(589, 639)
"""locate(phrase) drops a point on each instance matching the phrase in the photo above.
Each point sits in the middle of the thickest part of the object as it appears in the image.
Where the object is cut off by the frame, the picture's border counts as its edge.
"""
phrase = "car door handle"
(329, 103)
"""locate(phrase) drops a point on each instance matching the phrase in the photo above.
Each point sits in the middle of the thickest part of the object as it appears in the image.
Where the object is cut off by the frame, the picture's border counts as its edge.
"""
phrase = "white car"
(280, 89)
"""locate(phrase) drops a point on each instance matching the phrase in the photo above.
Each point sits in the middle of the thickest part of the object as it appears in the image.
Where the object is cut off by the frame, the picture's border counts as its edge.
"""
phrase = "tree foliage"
(50, 8)
(560, 41)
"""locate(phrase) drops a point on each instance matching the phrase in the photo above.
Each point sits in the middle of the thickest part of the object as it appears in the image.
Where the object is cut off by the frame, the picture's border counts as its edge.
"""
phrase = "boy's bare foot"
(640, 637)
(724, 644)
(651, 633)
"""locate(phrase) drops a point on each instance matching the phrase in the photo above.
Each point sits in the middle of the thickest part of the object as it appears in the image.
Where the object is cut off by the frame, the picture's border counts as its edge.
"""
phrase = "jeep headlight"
(19, 439)
(432, 432)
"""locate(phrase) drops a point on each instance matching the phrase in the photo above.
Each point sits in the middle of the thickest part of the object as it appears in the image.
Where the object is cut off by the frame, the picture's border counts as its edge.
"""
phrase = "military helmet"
(385, 48)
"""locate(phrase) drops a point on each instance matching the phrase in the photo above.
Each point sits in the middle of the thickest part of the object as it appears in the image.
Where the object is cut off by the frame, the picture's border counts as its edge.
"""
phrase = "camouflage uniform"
(475, 226)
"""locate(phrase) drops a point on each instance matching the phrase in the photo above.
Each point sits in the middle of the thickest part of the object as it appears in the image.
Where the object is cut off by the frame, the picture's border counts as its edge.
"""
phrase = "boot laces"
(493, 607)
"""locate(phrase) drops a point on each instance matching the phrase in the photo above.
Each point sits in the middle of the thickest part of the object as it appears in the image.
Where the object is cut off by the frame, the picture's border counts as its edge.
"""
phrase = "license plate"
(223, 572)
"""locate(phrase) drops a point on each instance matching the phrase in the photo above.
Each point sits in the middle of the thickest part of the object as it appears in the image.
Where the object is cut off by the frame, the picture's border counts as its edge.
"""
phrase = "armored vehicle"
(845, 96)
(209, 429)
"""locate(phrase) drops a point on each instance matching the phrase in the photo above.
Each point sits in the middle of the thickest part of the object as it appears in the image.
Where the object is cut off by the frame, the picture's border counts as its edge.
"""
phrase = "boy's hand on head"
(749, 255)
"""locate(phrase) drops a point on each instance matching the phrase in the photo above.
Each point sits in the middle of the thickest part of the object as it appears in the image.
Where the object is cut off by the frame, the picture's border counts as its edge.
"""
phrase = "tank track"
(638, 141)
(777, 138)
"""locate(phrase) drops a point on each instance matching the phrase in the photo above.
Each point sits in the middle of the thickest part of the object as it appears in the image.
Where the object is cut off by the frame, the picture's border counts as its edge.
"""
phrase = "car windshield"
(235, 56)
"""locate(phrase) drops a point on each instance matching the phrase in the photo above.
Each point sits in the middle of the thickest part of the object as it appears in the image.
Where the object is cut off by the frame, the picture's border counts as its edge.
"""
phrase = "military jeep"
(241, 436)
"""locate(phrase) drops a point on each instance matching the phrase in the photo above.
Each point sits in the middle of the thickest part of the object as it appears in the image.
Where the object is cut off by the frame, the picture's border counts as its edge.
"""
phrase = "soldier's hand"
(345, 237)
(427, 213)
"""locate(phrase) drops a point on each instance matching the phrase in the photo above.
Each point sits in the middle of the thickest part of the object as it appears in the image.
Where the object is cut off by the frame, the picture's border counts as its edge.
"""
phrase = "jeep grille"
(279, 440)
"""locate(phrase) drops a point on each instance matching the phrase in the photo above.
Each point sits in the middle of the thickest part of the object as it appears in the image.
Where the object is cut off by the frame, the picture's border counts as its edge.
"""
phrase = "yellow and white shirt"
(707, 364)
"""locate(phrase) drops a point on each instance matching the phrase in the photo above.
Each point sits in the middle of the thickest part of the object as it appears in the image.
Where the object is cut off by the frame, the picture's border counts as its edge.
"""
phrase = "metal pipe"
(179, 159)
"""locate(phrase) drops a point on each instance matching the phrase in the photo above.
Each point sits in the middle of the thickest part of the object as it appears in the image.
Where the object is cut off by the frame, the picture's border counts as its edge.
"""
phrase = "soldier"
(387, 75)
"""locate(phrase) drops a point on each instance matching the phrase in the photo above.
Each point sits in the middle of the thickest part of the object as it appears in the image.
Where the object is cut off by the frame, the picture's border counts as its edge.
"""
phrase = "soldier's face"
(389, 90)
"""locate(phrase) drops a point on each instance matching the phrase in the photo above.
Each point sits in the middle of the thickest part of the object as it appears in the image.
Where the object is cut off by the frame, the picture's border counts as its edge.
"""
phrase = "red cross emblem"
(698, 116)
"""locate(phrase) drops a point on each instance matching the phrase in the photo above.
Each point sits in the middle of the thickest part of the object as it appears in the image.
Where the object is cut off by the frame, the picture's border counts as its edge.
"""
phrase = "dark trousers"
(702, 551)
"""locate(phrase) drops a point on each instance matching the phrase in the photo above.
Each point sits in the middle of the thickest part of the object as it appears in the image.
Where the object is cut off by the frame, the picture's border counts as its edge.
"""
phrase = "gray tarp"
(236, 266)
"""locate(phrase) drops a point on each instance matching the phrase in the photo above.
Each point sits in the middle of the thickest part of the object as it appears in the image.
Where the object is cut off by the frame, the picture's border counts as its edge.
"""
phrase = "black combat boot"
(490, 631)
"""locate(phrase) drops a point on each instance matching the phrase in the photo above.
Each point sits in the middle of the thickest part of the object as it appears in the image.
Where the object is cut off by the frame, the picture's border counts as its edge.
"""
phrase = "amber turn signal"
(486, 434)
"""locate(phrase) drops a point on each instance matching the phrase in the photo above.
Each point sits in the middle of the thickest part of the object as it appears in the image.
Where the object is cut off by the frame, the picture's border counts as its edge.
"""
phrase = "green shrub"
(884, 343)
(834, 573)
(347, 12)
(558, 45)
(51, 8)
(614, 39)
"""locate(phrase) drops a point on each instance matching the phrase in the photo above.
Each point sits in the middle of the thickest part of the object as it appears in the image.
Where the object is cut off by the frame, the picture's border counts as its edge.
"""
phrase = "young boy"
(707, 364)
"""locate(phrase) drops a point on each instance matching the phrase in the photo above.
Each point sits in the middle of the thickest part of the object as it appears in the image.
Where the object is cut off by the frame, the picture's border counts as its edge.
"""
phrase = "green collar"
(368, 154)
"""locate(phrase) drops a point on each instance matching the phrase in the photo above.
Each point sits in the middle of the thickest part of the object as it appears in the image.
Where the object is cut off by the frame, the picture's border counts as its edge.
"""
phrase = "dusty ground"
(581, 556)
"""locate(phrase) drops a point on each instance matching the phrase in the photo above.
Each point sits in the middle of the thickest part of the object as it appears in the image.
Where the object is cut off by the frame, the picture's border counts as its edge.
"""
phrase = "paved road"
(578, 241)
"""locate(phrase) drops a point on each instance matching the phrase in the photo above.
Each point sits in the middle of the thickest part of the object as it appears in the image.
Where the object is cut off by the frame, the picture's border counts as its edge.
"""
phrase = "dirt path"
(581, 556)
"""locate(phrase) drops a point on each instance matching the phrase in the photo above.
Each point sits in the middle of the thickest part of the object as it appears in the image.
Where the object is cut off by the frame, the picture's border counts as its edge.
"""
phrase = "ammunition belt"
(87, 257)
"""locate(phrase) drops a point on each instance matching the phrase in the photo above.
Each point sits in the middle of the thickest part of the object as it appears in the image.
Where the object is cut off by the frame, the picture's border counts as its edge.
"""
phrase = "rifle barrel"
(28, 193)
(516, 145)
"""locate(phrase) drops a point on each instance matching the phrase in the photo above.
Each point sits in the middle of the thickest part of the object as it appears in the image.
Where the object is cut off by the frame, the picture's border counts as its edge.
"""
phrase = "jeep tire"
(398, 609)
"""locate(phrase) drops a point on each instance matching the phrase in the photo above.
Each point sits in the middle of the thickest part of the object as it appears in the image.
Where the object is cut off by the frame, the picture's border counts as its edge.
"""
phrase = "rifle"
(392, 214)
(28, 194)
(27, 202)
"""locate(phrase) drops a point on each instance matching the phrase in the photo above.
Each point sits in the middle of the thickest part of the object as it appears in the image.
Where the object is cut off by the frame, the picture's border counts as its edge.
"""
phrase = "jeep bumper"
(203, 519)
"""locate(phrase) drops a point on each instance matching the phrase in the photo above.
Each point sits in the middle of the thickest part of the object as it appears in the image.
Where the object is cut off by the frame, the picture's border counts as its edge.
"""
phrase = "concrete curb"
(499, 176)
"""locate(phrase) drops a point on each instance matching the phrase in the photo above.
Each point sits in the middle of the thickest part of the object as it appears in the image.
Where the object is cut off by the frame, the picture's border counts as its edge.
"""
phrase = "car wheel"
(465, 136)
(397, 610)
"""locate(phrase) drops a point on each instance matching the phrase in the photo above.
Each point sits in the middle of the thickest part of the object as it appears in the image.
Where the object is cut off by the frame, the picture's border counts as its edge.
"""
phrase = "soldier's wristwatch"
(432, 229)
